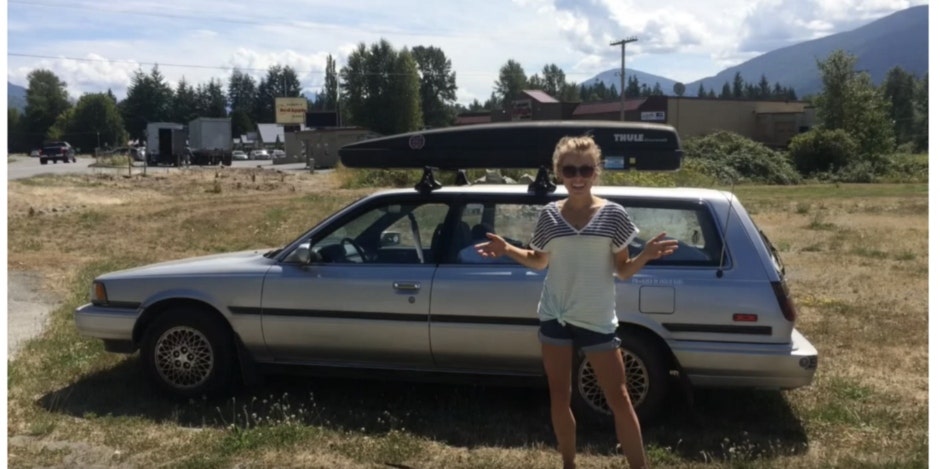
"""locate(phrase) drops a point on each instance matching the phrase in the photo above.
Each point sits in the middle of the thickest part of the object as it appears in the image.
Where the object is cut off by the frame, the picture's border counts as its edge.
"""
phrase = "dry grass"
(857, 264)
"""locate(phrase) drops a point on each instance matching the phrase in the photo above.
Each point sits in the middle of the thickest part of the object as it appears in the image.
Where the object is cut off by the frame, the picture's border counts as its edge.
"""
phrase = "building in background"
(772, 123)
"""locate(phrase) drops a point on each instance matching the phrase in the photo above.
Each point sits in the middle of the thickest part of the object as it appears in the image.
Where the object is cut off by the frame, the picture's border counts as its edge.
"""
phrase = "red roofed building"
(769, 122)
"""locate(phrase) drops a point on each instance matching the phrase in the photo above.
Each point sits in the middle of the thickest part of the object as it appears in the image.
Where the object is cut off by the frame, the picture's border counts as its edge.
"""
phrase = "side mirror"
(303, 255)
(391, 238)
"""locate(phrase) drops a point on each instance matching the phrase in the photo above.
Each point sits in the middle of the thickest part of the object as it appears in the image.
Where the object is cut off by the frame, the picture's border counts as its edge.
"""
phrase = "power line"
(135, 62)
(139, 13)
(162, 64)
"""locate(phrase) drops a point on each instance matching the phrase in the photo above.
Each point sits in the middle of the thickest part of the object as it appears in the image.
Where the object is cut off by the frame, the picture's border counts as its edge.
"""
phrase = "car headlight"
(98, 294)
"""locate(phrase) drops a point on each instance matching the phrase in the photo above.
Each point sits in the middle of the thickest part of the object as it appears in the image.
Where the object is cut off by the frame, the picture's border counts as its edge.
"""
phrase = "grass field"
(856, 257)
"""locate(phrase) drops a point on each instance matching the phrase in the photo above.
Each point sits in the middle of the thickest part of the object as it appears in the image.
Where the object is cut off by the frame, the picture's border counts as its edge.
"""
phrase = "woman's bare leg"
(608, 366)
(557, 362)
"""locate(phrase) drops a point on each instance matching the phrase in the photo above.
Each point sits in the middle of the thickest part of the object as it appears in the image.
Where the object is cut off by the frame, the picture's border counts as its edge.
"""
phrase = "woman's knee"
(618, 400)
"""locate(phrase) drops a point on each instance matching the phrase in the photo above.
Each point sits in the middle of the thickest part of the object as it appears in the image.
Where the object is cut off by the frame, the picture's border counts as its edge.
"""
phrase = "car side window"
(387, 234)
(513, 221)
(692, 226)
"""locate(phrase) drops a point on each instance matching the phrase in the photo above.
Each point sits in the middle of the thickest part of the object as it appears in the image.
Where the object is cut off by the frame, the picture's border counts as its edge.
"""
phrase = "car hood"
(228, 263)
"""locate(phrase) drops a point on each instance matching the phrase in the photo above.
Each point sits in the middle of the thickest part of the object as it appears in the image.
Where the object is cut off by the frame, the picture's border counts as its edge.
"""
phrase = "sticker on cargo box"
(416, 142)
(613, 162)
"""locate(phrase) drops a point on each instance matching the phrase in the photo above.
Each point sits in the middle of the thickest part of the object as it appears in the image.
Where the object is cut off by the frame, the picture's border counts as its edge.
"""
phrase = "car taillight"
(783, 299)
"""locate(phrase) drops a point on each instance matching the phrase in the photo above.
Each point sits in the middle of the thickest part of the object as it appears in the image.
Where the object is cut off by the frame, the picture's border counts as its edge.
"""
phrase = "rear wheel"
(646, 373)
(189, 352)
(43, 161)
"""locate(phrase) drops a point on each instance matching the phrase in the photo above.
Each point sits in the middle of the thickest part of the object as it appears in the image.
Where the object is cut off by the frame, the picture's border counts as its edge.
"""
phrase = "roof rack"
(515, 145)
(427, 182)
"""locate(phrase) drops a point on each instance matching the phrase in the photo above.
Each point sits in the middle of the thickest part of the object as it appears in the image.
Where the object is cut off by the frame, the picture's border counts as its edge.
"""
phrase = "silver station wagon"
(393, 283)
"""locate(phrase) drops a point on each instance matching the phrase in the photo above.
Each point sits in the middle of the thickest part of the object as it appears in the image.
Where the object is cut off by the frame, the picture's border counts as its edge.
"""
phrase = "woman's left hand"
(658, 247)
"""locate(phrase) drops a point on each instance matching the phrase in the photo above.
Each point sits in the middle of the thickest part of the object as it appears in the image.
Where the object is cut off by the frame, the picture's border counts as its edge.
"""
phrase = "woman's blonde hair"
(583, 144)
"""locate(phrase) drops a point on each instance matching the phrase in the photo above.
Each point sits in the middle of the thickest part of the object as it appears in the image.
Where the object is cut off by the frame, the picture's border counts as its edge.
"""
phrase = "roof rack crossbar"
(427, 182)
(462, 179)
(543, 183)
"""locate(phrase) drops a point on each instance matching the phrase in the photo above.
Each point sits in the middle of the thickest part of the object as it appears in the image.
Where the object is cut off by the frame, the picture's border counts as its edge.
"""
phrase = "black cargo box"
(624, 146)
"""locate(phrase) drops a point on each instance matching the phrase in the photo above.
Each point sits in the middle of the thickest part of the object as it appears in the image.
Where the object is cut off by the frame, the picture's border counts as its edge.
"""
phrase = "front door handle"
(406, 286)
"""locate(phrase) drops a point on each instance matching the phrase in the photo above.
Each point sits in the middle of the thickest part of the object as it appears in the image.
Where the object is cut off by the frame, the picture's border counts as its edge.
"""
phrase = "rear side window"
(690, 224)
(515, 222)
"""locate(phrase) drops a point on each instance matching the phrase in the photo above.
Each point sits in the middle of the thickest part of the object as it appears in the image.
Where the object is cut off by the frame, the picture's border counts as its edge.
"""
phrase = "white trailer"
(210, 139)
(174, 145)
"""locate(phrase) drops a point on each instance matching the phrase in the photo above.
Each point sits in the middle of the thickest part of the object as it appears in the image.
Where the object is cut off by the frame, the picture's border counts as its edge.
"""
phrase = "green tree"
(737, 86)
(185, 105)
(921, 131)
(555, 81)
(280, 82)
(241, 91)
(633, 88)
(701, 91)
(725, 91)
(849, 101)
(763, 88)
(438, 86)
(96, 122)
(325, 100)
(899, 88)
(241, 123)
(405, 91)
(378, 84)
(17, 139)
(46, 99)
(149, 99)
(60, 128)
(211, 99)
(512, 81)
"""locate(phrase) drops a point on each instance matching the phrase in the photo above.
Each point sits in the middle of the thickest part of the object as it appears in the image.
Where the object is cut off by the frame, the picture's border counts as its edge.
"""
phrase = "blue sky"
(94, 45)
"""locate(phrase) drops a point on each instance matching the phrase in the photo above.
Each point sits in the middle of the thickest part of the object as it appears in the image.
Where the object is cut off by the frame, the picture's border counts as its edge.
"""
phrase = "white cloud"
(206, 39)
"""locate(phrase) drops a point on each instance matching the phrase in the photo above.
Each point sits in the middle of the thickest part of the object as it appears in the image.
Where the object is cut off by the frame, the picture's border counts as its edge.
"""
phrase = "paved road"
(26, 167)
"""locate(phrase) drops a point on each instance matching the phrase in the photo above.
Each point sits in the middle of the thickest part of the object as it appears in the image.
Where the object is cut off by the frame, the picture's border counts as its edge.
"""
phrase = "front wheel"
(646, 373)
(189, 352)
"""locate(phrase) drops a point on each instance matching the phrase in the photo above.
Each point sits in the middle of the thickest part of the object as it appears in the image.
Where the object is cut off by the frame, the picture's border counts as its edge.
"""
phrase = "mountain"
(899, 39)
(612, 76)
(16, 97)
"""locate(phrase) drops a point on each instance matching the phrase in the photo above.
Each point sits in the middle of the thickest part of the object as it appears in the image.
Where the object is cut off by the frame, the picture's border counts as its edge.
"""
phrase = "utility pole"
(623, 68)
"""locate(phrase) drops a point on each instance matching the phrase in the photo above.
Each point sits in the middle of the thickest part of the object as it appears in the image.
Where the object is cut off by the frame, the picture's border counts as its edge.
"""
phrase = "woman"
(585, 239)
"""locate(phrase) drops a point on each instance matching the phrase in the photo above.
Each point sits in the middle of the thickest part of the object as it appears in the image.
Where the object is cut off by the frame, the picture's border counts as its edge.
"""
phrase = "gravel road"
(28, 308)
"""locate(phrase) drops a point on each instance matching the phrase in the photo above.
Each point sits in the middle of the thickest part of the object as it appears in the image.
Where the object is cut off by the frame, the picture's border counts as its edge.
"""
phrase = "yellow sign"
(290, 110)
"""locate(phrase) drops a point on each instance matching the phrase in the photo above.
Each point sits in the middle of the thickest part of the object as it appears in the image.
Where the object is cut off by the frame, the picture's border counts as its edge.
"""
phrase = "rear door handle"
(406, 286)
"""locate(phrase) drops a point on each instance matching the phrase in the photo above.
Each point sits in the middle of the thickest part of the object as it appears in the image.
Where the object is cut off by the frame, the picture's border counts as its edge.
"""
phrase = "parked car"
(278, 154)
(239, 155)
(259, 155)
(139, 153)
(35, 153)
(57, 151)
(393, 282)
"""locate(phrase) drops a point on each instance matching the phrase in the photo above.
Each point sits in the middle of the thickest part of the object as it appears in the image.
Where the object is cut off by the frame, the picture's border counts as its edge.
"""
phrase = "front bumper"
(108, 323)
(763, 366)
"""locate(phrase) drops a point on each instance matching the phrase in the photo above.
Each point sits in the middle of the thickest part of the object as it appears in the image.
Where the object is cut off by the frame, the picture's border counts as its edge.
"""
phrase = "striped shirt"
(579, 286)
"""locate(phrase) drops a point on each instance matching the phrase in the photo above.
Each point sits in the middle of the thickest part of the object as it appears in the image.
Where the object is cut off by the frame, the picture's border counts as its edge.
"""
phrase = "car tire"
(43, 161)
(189, 352)
(647, 380)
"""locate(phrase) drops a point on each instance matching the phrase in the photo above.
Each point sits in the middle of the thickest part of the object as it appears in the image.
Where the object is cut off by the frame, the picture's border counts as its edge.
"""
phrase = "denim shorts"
(553, 333)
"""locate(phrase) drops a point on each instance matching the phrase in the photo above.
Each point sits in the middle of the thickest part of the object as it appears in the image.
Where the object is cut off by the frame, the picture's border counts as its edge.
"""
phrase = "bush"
(906, 168)
(823, 151)
(727, 156)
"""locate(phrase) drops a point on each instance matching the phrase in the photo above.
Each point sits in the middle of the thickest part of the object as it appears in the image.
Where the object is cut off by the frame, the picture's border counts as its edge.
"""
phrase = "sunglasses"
(569, 171)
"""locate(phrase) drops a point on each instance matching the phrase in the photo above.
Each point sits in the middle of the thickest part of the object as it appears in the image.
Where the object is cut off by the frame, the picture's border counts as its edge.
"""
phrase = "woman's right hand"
(495, 247)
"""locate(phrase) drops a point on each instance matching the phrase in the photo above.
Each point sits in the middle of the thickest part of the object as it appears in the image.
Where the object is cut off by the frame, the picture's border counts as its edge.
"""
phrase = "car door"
(364, 296)
(484, 312)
